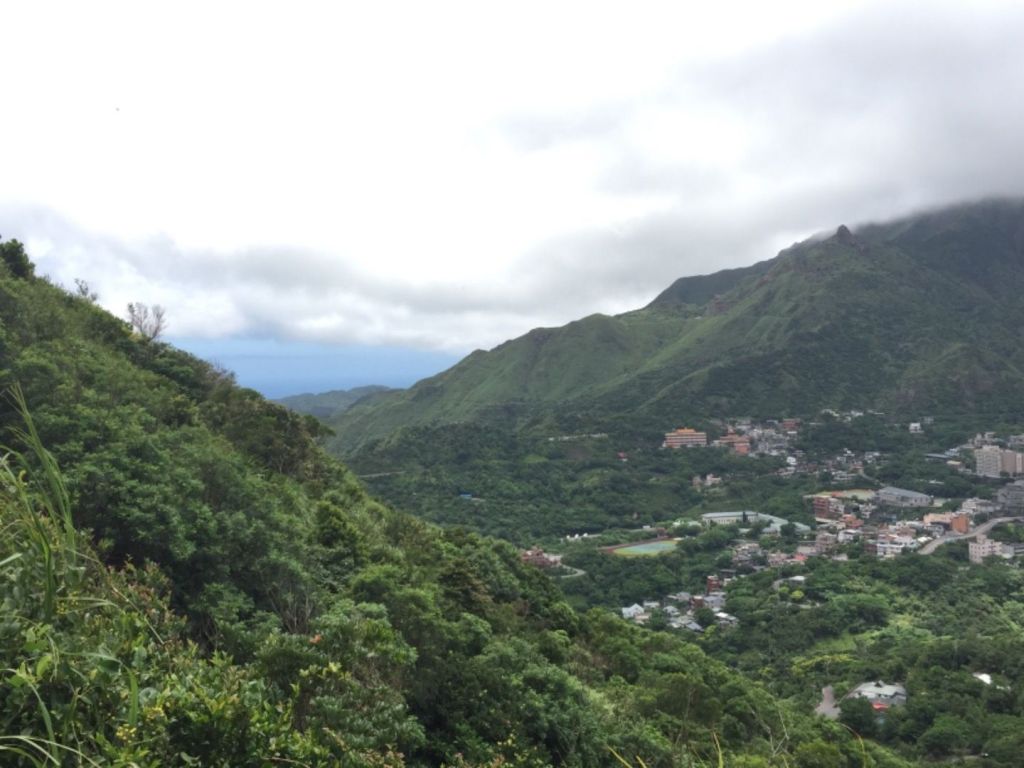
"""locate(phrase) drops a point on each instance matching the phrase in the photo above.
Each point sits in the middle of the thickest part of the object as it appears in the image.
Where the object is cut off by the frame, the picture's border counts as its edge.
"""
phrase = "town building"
(983, 547)
(827, 507)
(957, 522)
(974, 506)
(899, 497)
(993, 461)
(1011, 497)
(738, 444)
(685, 437)
(825, 542)
(1012, 463)
(889, 545)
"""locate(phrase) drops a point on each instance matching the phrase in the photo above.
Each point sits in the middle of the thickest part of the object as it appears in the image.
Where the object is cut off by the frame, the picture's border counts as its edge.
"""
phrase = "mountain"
(916, 315)
(187, 579)
(327, 405)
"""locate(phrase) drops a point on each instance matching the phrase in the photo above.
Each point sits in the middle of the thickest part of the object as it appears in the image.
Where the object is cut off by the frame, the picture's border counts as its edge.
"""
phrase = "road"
(931, 546)
(575, 572)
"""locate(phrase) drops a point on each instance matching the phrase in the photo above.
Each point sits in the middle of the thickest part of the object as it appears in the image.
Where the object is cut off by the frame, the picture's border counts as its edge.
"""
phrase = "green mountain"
(187, 579)
(917, 315)
(327, 405)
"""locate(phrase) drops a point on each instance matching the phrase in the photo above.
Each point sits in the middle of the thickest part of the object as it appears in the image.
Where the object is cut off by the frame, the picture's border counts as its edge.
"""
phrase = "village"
(883, 523)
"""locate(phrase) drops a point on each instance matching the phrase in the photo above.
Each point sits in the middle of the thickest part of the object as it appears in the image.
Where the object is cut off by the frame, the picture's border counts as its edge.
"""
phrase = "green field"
(647, 548)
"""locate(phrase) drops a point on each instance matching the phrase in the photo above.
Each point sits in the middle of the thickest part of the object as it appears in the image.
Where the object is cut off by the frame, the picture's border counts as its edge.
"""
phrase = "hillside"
(915, 315)
(187, 579)
(327, 405)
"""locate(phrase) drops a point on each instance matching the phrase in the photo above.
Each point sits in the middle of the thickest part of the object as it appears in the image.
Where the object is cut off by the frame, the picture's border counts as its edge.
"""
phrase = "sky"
(321, 193)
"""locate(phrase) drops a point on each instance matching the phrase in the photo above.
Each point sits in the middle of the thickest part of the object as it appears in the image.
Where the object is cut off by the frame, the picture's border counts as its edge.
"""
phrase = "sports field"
(646, 548)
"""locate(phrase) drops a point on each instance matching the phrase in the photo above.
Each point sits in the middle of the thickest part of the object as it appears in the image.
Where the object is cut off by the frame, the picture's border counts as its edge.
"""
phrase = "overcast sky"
(444, 176)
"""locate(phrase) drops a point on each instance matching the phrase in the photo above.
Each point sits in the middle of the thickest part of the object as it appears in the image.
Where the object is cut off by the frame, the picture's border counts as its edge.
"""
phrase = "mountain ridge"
(860, 318)
(325, 405)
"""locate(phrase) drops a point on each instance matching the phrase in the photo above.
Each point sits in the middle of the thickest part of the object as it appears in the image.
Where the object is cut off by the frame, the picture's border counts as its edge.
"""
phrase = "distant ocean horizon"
(279, 368)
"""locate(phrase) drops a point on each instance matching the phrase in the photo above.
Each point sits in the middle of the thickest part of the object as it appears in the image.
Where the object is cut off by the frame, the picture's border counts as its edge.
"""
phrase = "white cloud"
(452, 174)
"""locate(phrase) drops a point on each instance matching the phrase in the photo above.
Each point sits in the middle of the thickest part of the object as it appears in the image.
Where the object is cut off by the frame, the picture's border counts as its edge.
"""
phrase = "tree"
(83, 291)
(819, 754)
(859, 715)
(947, 734)
(17, 261)
(148, 322)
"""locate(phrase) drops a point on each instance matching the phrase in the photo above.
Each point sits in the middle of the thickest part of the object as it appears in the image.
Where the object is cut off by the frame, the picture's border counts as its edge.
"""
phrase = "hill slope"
(243, 601)
(326, 405)
(916, 314)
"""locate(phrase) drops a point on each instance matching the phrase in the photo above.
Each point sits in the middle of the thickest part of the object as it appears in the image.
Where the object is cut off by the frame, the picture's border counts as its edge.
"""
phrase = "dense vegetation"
(529, 489)
(186, 579)
(931, 622)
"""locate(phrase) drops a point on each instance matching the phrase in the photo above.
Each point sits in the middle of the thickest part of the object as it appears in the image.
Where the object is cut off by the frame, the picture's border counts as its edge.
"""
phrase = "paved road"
(931, 546)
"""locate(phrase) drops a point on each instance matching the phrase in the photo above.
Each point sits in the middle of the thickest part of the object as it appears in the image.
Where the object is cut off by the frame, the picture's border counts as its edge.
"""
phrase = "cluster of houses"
(680, 608)
(742, 437)
(873, 518)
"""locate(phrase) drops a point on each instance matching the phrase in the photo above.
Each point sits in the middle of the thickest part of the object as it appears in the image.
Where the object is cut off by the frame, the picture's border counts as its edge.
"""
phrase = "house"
(881, 695)
(726, 619)
(847, 535)
(633, 611)
(715, 601)
(889, 545)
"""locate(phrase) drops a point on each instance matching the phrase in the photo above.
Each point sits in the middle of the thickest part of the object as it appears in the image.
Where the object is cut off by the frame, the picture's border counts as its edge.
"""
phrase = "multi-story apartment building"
(685, 438)
(988, 461)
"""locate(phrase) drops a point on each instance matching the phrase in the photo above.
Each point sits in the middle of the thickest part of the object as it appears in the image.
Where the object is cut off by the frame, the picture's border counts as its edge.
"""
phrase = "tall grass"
(38, 532)
(59, 555)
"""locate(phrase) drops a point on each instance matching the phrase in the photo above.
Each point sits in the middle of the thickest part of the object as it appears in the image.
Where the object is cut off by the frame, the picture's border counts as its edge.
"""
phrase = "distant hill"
(920, 314)
(326, 405)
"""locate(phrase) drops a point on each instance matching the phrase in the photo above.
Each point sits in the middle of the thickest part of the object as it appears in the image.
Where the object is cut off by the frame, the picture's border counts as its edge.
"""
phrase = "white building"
(900, 497)
(983, 547)
(988, 461)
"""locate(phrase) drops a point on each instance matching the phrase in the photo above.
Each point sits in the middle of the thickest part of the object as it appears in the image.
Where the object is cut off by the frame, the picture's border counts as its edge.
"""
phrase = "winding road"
(931, 546)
